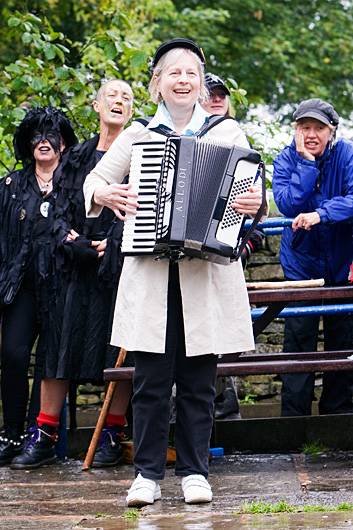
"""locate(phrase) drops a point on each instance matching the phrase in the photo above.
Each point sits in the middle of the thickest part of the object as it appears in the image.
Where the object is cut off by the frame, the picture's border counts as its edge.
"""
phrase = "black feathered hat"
(38, 120)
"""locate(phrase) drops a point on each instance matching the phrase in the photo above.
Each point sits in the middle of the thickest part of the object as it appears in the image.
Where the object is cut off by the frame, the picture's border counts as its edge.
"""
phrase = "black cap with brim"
(212, 82)
(177, 43)
(316, 116)
(317, 109)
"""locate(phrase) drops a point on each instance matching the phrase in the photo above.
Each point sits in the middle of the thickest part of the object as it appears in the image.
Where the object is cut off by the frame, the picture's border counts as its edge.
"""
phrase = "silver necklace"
(43, 184)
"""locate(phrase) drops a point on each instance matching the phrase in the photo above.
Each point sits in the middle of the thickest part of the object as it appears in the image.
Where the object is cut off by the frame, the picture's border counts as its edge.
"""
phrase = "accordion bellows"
(185, 187)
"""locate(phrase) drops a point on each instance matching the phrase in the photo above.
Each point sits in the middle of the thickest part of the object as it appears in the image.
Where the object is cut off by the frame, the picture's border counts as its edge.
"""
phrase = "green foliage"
(102, 515)
(59, 52)
(270, 51)
(133, 514)
(345, 507)
(314, 448)
(267, 507)
(260, 507)
(248, 399)
(282, 51)
(44, 73)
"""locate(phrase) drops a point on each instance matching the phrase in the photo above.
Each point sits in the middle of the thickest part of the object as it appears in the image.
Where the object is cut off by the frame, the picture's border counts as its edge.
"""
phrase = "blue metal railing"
(275, 225)
(272, 225)
(332, 309)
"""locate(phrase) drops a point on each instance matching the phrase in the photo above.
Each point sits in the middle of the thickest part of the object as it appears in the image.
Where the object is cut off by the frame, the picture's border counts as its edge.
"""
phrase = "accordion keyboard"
(145, 169)
(246, 173)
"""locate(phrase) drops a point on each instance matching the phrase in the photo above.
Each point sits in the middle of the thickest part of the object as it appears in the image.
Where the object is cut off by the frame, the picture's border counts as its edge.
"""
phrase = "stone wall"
(264, 265)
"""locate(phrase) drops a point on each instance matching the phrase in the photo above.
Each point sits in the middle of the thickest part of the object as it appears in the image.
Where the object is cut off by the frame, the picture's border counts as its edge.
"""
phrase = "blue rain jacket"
(326, 186)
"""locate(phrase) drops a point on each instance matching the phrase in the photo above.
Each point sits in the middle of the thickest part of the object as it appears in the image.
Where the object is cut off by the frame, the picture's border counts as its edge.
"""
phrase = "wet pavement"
(62, 497)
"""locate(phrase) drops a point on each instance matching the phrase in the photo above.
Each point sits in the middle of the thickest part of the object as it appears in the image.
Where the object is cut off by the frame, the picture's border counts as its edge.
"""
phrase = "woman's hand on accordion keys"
(249, 202)
(118, 198)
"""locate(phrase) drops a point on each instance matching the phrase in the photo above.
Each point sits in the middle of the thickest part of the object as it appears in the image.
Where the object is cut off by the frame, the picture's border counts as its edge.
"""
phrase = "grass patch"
(248, 399)
(131, 514)
(311, 508)
(314, 448)
(260, 507)
(266, 507)
(345, 507)
(101, 515)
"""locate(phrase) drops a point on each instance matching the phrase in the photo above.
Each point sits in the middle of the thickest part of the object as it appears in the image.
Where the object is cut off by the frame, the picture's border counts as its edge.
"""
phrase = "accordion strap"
(161, 129)
(144, 121)
(261, 211)
(211, 122)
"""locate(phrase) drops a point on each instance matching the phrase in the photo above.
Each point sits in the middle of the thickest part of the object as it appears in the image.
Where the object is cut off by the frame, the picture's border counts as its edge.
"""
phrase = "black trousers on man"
(155, 375)
(300, 335)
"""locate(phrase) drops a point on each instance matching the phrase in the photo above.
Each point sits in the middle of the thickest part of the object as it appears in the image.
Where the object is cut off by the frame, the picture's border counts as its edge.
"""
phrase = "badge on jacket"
(23, 214)
(44, 208)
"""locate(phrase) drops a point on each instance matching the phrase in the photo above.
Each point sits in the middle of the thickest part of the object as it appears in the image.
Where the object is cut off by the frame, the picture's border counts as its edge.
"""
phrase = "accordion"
(185, 187)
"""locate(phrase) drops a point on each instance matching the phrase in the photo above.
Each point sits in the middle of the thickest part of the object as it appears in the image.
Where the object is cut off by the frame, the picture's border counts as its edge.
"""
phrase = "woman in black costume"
(28, 283)
(91, 256)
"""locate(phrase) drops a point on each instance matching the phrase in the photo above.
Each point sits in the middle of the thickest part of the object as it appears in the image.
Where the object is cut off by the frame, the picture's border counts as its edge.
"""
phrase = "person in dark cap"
(313, 183)
(27, 272)
(178, 42)
(218, 102)
(318, 110)
(190, 311)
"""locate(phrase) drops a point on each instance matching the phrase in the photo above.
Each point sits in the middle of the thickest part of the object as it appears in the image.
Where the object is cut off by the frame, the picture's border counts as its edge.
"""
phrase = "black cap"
(212, 82)
(317, 109)
(177, 43)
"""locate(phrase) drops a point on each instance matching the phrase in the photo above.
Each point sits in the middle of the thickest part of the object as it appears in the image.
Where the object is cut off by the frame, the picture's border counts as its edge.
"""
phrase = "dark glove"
(256, 240)
(254, 244)
(80, 250)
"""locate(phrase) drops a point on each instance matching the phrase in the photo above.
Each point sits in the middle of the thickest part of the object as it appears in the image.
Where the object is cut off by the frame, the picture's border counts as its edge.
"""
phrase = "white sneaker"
(143, 491)
(196, 489)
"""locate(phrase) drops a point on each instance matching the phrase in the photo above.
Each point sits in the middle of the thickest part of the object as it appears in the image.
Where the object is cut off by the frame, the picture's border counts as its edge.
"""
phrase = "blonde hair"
(167, 59)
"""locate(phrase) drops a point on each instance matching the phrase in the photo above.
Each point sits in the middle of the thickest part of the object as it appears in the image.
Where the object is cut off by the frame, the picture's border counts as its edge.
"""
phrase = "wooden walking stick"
(103, 414)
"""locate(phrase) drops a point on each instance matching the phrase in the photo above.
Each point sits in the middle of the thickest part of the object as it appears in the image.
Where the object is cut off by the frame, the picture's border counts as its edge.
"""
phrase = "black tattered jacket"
(70, 214)
(26, 240)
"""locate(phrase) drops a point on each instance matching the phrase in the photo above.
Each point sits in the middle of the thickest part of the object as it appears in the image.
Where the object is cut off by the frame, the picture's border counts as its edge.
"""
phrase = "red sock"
(114, 420)
(53, 421)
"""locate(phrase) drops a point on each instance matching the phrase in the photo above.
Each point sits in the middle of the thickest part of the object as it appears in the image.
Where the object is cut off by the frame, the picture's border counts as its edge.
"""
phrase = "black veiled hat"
(177, 43)
(38, 120)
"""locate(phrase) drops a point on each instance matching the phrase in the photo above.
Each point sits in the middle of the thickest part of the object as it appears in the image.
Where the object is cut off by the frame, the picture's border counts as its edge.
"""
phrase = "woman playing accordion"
(175, 316)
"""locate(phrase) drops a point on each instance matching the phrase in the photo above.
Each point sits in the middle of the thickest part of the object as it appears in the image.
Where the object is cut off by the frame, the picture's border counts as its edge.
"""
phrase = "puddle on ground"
(297, 521)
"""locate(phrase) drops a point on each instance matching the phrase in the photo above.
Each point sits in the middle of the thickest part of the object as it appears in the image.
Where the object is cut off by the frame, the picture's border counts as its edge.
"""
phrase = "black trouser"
(19, 331)
(195, 392)
(300, 335)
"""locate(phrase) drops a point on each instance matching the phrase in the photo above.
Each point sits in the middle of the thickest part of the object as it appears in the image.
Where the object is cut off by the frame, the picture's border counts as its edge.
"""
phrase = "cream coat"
(214, 297)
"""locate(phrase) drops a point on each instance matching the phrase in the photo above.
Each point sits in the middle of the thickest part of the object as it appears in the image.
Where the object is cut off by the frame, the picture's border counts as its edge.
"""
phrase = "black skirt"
(86, 308)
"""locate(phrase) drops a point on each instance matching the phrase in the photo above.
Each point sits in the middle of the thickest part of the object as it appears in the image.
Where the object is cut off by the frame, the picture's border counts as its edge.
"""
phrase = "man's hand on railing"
(306, 220)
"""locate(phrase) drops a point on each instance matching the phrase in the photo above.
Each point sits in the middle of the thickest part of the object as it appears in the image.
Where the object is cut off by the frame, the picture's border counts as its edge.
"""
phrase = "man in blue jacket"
(313, 183)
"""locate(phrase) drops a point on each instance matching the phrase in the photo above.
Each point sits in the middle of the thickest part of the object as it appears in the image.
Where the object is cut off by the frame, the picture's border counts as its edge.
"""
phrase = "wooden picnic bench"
(275, 300)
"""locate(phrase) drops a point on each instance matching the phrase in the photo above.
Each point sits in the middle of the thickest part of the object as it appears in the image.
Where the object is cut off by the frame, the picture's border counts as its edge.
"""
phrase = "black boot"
(109, 451)
(227, 404)
(39, 448)
(11, 443)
